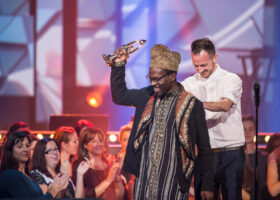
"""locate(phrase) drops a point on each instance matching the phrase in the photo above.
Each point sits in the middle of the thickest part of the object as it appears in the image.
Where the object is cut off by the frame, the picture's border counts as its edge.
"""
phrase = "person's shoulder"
(11, 173)
(226, 74)
(228, 77)
(10, 176)
(191, 97)
(190, 82)
(190, 78)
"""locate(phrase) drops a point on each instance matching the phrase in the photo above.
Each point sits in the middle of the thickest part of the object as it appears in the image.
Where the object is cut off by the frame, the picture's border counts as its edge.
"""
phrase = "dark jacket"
(139, 98)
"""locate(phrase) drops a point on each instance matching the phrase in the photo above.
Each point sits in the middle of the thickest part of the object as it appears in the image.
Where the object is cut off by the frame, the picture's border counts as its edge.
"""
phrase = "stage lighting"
(40, 136)
(266, 138)
(94, 99)
(113, 138)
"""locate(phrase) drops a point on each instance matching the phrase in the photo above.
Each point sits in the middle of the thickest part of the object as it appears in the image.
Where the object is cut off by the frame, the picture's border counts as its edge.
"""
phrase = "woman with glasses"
(46, 165)
(15, 181)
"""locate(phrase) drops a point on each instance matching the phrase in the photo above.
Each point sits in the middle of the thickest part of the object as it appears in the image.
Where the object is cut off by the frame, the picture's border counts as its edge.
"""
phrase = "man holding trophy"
(168, 123)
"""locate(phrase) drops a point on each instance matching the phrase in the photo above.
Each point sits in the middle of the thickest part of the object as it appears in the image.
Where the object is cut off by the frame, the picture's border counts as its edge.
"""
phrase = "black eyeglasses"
(156, 80)
(51, 151)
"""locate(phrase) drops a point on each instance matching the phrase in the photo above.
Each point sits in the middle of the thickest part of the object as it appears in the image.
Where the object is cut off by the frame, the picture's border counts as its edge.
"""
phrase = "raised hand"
(82, 168)
(114, 170)
(90, 162)
(60, 182)
(121, 55)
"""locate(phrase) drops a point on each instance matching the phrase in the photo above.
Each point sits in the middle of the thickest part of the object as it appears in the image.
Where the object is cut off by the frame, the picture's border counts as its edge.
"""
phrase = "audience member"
(124, 136)
(83, 123)
(273, 168)
(68, 141)
(46, 166)
(16, 126)
(15, 181)
(34, 139)
(101, 180)
(248, 185)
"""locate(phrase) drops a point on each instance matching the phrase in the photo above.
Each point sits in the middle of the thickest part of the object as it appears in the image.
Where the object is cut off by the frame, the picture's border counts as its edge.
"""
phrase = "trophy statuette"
(129, 48)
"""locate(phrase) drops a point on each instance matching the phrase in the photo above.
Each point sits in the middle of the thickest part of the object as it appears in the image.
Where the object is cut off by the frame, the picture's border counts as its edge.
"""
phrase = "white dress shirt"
(228, 131)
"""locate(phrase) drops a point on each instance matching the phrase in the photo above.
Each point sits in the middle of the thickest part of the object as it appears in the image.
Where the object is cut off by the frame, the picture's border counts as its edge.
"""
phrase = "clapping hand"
(60, 182)
(83, 167)
(64, 169)
(114, 171)
(90, 162)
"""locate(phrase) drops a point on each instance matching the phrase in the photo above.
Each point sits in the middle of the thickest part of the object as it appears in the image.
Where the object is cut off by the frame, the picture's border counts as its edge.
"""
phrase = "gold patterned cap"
(163, 58)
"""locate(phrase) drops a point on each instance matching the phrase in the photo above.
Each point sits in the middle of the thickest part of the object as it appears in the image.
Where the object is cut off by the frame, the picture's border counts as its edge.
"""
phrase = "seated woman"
(46, 166)
(15, 181)
(273, 167)
(101, 180)
(68, 141)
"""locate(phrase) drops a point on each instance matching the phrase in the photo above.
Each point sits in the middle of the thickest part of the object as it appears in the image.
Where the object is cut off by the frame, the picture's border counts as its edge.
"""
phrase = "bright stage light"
(266, 139)
(94, 99)
(113, 138)
(40, 136)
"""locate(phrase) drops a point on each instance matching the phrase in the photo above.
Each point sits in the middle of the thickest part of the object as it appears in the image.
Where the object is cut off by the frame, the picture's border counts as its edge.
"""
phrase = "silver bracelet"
(119, 64)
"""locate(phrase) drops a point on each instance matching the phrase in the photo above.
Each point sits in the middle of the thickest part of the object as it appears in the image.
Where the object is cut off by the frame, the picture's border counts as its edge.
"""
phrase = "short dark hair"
(203, 44)
(39, 161)
(7, 159)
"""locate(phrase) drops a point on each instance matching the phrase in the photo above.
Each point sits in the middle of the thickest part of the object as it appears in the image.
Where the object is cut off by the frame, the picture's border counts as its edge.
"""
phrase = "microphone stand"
(257, 103)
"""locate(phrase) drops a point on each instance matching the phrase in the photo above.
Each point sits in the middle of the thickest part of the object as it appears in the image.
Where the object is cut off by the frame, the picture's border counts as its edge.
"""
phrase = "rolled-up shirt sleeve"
(233, 89)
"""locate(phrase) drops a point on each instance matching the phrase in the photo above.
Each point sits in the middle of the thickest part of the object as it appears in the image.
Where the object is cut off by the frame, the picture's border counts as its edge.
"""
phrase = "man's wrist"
(119, 64)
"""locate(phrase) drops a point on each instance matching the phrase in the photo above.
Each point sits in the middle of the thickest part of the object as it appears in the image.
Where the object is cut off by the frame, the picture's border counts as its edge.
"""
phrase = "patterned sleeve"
(37, 177)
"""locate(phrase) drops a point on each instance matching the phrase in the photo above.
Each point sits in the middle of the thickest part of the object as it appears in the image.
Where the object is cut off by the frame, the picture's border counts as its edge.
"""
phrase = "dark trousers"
(228, 175)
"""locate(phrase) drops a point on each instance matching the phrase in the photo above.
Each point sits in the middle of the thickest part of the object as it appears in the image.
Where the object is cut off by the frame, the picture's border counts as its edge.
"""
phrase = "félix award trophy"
(130, 48)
